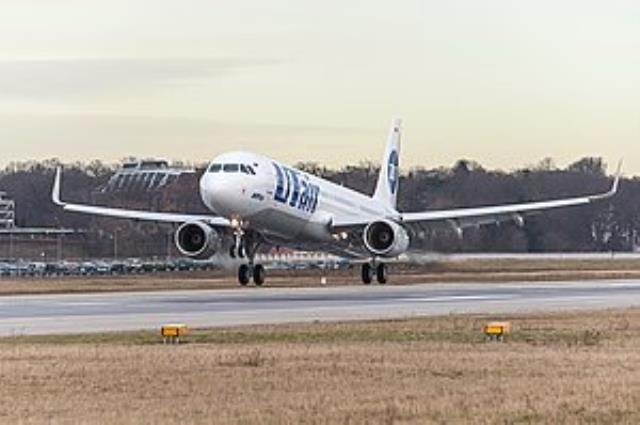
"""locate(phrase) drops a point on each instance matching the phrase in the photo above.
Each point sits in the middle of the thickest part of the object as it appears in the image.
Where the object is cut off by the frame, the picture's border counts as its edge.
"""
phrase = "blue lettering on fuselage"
(295, 194)
(279, 194)
(295, 190)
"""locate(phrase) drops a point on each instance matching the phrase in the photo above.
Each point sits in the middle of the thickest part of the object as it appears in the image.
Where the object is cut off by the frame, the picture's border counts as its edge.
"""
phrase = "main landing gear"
(247, 271)
(246, 246)
(374, 270)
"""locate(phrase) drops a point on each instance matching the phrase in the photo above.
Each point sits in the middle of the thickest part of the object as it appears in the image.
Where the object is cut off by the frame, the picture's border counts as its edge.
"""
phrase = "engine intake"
(197, 240)
(386, 238)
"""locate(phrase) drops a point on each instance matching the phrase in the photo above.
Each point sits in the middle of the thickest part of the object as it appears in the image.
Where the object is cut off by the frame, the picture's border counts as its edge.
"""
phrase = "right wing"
(159, 217)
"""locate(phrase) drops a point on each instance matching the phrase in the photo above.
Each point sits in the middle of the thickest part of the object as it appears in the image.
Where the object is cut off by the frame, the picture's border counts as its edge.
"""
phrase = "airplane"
(257, 201)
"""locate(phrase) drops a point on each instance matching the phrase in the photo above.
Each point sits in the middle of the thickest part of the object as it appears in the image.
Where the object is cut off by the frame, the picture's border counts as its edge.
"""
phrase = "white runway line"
(458, 298)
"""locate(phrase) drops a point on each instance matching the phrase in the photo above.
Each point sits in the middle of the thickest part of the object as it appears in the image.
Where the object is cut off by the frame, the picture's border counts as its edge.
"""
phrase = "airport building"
(7, 212)
(43, 243)
(144, 176)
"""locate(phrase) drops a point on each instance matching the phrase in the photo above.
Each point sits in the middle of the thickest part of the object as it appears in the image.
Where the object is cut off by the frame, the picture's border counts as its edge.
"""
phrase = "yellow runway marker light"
(173, 332)
(495, 331)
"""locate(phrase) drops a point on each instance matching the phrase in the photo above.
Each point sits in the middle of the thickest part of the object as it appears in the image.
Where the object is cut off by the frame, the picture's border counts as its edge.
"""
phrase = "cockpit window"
(247, 169)
(215, 168)
(231, 168)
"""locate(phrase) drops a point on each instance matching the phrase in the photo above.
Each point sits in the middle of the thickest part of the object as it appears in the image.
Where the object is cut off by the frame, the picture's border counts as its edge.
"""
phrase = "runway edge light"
(496, 331)
(172, 333)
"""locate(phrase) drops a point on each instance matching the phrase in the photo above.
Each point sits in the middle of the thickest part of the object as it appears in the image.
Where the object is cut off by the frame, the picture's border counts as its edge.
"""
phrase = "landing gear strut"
(238, 249)
(374, 270)
(246, 246)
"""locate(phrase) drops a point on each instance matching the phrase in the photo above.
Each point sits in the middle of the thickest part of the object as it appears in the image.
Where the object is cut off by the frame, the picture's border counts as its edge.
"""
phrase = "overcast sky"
(504, 82)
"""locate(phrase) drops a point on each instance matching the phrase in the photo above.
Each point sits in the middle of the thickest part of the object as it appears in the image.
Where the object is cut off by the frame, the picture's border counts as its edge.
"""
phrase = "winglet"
(618, 175)
(55, 192)
(614, 186)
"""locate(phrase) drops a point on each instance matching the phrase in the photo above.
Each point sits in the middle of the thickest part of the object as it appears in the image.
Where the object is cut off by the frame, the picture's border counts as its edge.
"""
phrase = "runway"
(79, 313)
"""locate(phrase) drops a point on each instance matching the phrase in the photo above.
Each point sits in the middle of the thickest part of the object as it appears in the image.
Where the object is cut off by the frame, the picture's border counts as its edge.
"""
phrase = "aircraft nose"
(212, 191)
(223, 194)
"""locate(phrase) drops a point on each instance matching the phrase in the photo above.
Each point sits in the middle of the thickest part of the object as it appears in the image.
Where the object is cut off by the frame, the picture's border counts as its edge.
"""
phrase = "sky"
(503, 82)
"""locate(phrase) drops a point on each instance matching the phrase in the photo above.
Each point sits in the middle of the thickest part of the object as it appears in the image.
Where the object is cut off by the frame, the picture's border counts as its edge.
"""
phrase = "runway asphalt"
(80, 313)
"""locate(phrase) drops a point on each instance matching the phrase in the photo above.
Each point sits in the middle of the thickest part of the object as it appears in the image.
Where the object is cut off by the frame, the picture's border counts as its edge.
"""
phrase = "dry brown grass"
(566, 368)
(444, 271)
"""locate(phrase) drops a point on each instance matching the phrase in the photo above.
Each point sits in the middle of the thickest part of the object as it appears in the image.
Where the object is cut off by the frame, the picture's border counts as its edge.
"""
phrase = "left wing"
(159, 217)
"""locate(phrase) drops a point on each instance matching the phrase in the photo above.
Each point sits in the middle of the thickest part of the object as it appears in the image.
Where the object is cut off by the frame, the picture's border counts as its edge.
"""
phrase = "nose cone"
(225, 194)
(211, 191)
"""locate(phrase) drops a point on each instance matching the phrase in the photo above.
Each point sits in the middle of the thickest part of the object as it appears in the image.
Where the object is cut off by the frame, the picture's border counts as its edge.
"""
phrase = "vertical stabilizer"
(387, 188)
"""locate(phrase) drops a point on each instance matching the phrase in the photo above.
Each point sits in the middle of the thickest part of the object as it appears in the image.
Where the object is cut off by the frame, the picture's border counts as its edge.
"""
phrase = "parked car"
(7, 270)
(87, 268)
(36, 269)
(119, 268)
(133, 265)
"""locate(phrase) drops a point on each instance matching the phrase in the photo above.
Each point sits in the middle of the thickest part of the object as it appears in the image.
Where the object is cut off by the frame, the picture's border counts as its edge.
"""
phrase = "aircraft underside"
(245, 245)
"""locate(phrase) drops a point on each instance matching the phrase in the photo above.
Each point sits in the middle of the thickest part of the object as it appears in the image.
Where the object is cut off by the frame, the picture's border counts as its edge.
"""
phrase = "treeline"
(606, 226)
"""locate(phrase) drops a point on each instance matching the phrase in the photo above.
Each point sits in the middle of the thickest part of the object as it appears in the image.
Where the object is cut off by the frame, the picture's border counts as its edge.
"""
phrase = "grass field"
(485, 270)
(562, 368)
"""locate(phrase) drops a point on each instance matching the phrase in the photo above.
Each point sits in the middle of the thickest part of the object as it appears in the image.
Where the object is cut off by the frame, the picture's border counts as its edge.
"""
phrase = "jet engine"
(197, 240)
(386, 238)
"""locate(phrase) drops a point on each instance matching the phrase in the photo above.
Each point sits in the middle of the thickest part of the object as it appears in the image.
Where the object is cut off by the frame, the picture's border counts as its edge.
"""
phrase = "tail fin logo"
(392, 171)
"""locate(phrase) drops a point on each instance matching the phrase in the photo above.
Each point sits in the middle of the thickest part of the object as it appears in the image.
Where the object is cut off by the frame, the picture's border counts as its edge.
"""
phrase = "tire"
(367, 274)
(244, 275)
(259, 275)
(381, 273)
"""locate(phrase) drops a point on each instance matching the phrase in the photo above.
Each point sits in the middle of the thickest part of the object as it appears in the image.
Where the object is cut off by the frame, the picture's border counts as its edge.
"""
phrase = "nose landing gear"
(246, 246)
(374, 270)
(238, 249)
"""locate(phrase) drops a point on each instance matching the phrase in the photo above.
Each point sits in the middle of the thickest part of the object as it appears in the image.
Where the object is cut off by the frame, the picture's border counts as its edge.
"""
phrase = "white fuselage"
(279, 201)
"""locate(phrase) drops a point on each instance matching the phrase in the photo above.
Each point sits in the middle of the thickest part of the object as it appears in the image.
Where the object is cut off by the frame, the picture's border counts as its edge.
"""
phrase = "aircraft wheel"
(367, 273)
(381, 273)
(244, 275)
(259, 275)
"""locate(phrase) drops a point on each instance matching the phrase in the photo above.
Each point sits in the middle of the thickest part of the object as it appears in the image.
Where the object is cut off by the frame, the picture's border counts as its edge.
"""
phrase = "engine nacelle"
(197, 240)
(386, 238)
